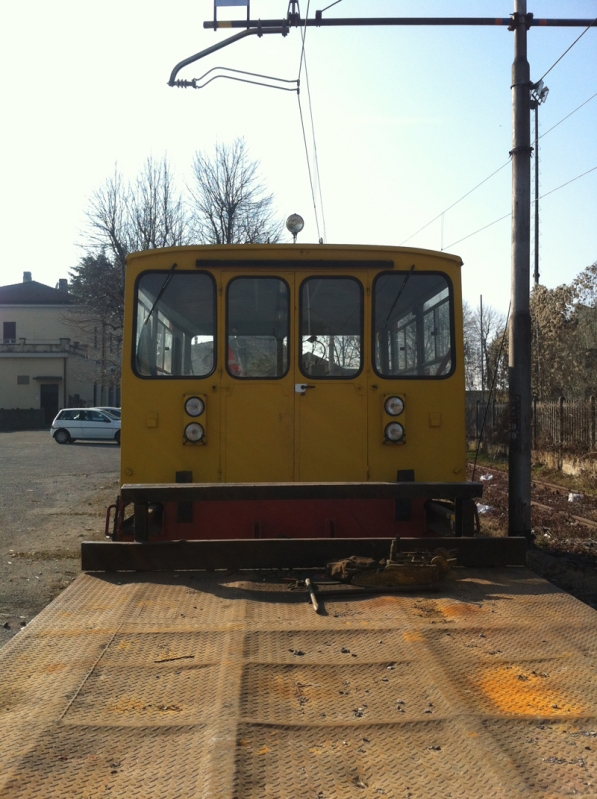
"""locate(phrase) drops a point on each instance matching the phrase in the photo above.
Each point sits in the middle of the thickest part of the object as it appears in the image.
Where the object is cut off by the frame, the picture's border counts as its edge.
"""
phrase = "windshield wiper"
(161, 291)
(400, 290)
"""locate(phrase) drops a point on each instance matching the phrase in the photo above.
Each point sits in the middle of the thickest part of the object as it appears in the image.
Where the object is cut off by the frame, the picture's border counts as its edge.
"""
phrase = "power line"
(315, 156)
(464, 196)
(457, 201)
(303, 59)
(308, 164)
(568, 50)
(568, 182)
(568, 115)
(479, 230)
(330, 5)
(303, 37)
(495, 221)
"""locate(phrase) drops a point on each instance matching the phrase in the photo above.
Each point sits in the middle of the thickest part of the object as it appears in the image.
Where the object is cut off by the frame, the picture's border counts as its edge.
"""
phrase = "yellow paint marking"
(413, 636)
(518, 691)
(52, 668)
(460, 609)
(264, 750)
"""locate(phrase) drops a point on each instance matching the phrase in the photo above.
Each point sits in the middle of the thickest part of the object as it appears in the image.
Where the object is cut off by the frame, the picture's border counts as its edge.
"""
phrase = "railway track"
(591, 523)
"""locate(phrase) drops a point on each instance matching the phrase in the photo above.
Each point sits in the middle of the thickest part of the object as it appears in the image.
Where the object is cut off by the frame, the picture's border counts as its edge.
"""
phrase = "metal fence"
(22, 419)
(562, 425)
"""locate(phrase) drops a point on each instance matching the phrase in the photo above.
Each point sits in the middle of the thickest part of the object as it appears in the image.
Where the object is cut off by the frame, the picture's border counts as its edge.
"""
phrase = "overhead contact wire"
(568, 115)
(308, 164)
(303, 58)
(315, 156)
(495, 221)
(464, 196)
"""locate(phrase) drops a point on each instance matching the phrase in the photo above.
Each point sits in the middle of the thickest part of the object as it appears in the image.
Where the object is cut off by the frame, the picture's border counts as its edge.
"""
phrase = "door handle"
(301, 388)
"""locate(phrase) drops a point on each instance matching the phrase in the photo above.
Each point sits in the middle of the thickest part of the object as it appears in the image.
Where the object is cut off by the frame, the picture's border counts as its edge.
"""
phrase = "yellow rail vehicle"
(300, 378)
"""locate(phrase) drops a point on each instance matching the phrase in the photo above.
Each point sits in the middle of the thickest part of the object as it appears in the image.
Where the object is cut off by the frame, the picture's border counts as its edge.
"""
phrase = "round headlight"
(394, 432)
(394, 406)
(194, 432)
(194, 406)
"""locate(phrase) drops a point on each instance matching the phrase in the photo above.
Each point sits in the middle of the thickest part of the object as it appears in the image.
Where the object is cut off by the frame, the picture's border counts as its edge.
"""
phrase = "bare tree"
(470, 347)
(229, 204)
(156, 212)
(146, 214)
(479, 334)
(122, 218)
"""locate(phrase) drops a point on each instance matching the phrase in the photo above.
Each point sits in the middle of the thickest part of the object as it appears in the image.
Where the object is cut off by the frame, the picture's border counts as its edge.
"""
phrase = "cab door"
(257, 379)
(330, 395)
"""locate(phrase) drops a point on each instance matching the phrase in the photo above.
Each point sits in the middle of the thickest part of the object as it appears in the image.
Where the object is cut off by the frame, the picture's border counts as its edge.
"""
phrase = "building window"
(9, 332)
(22, 380)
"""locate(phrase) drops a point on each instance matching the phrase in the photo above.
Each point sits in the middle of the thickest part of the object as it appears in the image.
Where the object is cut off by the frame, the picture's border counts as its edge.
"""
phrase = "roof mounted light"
(294, 224)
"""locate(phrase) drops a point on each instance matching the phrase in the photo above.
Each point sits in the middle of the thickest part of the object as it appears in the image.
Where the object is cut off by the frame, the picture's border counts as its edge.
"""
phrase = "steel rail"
(562, 489)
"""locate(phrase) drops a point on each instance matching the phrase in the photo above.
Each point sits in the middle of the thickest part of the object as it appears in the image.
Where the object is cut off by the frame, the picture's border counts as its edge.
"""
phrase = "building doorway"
(48, 401)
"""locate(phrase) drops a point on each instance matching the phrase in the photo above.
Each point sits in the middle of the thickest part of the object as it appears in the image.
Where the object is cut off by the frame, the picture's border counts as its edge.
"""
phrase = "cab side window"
(175, 325)
(413, 315)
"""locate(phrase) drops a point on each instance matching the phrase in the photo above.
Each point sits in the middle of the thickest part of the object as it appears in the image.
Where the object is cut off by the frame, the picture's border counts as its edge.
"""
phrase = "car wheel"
(62, 437)
(117, 437)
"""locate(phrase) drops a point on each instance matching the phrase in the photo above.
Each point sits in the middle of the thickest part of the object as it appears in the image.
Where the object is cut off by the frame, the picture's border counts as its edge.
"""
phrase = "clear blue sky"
(407, 120)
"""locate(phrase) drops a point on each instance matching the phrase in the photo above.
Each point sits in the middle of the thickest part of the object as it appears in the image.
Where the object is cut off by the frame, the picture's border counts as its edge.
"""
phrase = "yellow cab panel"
(283, 363)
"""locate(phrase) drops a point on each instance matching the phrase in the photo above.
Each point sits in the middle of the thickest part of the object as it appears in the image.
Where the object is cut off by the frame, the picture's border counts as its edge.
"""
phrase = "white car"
(110, 411)
(85, 423)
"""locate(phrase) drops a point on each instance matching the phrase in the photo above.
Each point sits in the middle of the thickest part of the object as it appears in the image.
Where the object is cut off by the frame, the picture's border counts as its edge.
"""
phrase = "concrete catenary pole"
(535, 106)
(519, 499)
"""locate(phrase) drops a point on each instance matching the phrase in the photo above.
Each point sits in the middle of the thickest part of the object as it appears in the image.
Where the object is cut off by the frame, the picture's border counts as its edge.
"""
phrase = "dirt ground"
(565, 550)
(51, 498)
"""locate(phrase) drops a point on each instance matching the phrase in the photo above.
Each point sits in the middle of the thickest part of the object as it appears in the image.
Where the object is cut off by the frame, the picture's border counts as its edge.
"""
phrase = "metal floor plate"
(182, 685)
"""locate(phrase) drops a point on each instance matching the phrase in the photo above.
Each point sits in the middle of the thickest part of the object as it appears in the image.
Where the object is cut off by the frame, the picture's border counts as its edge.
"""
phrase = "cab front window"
(257, 327)
(175, 325)
(331, 311)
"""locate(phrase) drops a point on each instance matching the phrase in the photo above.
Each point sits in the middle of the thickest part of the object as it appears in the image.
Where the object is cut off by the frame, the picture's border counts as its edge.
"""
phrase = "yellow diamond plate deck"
(211, 685)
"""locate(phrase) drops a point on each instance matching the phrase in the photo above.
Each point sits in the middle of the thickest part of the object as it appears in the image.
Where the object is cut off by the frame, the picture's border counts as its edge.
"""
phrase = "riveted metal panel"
(230, 685)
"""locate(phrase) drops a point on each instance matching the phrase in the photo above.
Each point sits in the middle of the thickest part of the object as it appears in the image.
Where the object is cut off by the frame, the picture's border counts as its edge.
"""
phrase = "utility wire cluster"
(303, 59)
(552, 191)
(464, 196)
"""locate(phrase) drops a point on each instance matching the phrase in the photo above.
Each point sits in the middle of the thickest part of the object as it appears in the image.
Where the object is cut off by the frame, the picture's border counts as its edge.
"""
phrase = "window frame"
(165, 273)
(7, 327)
(361, 326)
(451, 309)
(288, 321)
